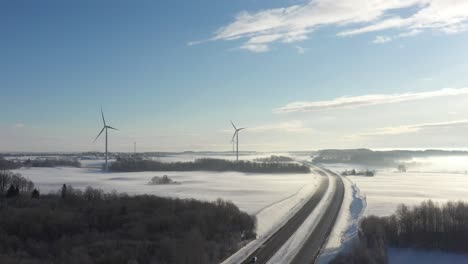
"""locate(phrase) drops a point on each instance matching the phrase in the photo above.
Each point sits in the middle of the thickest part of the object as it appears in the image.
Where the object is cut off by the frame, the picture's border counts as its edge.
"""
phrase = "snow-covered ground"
(271, 197)
(440, 179)
(345, 230)
(387, 190)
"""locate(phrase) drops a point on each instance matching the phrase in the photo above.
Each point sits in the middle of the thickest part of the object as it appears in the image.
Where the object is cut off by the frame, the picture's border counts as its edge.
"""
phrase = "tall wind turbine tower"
(236, 137)
(233, 145)
(104, 128)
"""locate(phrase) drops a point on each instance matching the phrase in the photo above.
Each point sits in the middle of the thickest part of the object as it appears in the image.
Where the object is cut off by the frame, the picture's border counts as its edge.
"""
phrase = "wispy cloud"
(366, 100)
(296, 22)
(381, 39)
(397, 130)
(295, 126)
(257, 48)
(384, 39)
(300, 49)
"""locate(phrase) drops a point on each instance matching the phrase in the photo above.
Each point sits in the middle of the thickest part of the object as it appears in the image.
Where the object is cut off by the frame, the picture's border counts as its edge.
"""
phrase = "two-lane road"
(315, 241)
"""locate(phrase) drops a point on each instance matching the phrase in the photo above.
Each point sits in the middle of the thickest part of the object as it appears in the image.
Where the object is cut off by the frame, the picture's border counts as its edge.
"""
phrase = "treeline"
(428, 226)
(52, 163)
(16, 164)
(11, 184)
(274, 158)
(8, 164)
(136, 164)
(73, 226)
(353, 172)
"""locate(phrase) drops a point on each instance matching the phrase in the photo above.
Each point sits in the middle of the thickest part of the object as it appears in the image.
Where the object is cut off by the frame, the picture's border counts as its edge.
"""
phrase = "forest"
(130, 164)
(91, 226)
(16, 164)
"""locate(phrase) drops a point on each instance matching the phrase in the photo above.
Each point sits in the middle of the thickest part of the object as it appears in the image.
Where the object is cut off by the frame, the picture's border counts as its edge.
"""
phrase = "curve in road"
(313, 245)
(274, 243)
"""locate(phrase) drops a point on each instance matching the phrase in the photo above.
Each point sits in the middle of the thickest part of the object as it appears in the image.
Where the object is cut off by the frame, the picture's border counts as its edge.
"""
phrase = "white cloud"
(384, 39)
(397, 130)
(296, 22)
(257, 48)
(381, 39)
(300, 49)
(295, 126)
(366, 100)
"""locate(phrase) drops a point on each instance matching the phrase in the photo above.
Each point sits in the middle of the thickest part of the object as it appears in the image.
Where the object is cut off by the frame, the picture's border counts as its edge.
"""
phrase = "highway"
(311, 249)
(314, 243)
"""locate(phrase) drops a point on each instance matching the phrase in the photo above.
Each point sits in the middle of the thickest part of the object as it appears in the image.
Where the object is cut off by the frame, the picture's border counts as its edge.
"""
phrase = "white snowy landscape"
(440, 179)
(270, 197)
(274, 198)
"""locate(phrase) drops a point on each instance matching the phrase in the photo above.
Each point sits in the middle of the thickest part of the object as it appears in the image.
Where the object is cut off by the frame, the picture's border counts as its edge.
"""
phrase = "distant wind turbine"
(104, 128)
(236, 137)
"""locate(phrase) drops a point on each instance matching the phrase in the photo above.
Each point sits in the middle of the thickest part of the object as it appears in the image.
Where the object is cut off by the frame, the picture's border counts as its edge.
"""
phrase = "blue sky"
(171, 74)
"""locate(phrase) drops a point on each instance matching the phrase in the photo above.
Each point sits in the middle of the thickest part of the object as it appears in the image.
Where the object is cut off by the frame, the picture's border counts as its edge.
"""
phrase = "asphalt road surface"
(312, 247)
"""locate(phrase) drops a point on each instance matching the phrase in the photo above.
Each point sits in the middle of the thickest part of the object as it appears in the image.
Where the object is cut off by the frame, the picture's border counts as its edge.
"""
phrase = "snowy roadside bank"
(345, 231)
(273, 217)
(290, 249)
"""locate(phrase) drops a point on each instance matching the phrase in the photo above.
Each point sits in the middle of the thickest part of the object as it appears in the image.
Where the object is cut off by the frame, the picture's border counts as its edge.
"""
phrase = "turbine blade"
(103, 120)
(242, 128)
(233, 125)
(112, 128)
(234, 136)
(99, 134)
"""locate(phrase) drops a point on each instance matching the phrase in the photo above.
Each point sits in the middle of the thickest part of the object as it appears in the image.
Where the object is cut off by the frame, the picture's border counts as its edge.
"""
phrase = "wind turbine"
(236, 136)
(104, 128)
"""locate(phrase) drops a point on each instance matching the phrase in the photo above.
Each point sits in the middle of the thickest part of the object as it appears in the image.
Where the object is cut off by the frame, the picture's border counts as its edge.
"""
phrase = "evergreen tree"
(64, 191)
(11, 192)
(35, 194)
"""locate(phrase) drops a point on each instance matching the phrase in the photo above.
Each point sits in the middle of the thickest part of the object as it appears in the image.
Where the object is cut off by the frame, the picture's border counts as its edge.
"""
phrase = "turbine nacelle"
(235, 138)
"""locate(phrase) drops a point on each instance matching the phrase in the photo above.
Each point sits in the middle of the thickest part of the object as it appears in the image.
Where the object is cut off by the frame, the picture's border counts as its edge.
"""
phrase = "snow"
(345, 230)
(268, 218)
(387, 190)
(411, 256)
(440, 179)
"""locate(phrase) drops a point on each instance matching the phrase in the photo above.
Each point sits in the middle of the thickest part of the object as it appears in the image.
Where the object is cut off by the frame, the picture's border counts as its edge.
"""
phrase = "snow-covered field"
(270, 197)
(440, 179)
(386, 190)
